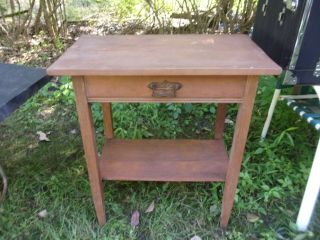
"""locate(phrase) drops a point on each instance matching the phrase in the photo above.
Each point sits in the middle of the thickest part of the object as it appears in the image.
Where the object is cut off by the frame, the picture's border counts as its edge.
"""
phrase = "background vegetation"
(49, 195)
(52, 16)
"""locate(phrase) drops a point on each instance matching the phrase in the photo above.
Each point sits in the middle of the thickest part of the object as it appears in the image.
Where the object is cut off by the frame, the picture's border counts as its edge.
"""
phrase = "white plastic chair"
(312, 190)
(313, 185)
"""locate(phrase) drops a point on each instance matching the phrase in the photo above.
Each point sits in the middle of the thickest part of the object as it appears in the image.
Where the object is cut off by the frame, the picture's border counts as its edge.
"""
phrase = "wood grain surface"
(164, 160)
(90, 149)
(237, 150)
(209, 68)
(164, 55)
(107, 120)
(194, 88)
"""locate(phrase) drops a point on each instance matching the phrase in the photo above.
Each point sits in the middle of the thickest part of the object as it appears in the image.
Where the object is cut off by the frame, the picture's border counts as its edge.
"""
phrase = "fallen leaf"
(252, 217)
(196, 238)
(150, 208)
(228, 121)
(135, 219)
(213, 208)
(34, 42)
(46, 112)
(43, 136)
(42, 214)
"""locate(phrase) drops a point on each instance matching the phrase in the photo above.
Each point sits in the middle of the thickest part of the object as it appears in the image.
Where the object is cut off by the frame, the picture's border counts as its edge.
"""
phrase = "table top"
(17, 84)
(133, 55)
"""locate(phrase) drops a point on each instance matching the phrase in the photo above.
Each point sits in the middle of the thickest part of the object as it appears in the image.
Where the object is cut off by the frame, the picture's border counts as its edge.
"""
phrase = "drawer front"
(165, 89)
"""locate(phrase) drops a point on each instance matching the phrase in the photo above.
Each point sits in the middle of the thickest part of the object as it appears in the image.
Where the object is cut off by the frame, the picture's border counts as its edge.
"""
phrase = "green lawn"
(52, 175)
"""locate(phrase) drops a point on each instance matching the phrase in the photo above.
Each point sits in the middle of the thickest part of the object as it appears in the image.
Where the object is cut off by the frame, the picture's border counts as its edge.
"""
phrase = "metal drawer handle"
(164, 89)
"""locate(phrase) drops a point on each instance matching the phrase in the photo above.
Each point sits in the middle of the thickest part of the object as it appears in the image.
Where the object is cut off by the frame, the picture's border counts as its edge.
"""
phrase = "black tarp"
(17, 84)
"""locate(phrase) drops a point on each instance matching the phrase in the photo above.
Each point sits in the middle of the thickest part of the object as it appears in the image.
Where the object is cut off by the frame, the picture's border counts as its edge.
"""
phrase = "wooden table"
(165, 68)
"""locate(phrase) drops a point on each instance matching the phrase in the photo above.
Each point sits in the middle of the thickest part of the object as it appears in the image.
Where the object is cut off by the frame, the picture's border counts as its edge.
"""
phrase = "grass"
(52, 175)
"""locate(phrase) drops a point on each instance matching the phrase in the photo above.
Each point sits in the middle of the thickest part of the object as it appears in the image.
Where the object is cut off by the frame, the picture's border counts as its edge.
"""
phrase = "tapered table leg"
(90, 150)
(237, 149)
(107, 120)
(220, 120)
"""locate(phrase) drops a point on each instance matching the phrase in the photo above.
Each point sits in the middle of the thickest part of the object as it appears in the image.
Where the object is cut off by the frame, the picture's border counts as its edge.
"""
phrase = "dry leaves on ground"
(213, 208)
(196, 238)
(42, 214)
(252, 217)
(135, 219)
(43, 136)
(73, 131)
(150, 208)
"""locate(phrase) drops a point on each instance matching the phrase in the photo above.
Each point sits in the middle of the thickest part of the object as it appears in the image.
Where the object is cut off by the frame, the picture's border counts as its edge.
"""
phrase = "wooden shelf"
(164, 160)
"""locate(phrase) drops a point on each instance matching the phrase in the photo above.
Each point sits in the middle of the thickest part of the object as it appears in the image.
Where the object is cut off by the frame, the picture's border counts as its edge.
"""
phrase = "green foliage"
(136, 121)
(84, 9)
(3, 7)
(125, 8)
(63, 92)
(166, 16)
(52, 175)
(119, 9)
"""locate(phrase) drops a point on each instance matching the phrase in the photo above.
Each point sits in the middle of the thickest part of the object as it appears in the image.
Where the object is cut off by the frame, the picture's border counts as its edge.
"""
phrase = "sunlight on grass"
(52, 175)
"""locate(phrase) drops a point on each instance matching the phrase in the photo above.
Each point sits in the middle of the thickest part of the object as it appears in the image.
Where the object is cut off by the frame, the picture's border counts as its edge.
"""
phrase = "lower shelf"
(164, 160)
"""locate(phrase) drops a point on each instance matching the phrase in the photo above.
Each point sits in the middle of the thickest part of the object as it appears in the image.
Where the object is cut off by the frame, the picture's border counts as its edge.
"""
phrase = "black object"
(289, 32)
(17, 84)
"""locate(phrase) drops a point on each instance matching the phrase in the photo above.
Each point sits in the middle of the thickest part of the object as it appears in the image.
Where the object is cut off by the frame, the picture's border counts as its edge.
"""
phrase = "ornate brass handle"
(164, 89)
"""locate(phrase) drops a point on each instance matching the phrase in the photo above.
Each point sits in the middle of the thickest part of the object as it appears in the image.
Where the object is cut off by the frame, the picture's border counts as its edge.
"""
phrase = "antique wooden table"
(165, 68)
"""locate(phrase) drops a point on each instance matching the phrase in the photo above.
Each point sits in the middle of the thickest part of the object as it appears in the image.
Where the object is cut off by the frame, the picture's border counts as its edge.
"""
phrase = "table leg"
(237, 149)
(107, 120)
(220, 120)
(90, 150)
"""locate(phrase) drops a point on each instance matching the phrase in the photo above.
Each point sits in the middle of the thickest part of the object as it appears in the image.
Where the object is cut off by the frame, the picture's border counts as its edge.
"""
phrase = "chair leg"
(311, 194)
(270, 113)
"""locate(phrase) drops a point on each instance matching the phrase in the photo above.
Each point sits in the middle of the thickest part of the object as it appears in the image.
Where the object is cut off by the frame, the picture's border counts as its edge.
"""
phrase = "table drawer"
(165, 89)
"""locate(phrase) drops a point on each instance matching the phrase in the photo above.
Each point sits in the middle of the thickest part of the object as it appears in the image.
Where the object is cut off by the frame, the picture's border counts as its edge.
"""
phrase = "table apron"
(224, 89)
